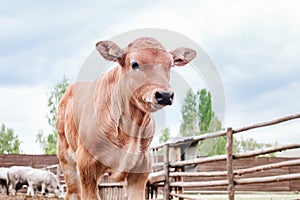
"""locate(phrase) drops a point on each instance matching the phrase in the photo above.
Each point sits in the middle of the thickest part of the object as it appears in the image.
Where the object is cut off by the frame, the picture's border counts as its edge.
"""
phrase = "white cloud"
(24, 110)
(271, 105)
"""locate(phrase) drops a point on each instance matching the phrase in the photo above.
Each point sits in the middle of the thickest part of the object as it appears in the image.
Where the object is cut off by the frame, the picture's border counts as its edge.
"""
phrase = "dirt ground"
(24, 197)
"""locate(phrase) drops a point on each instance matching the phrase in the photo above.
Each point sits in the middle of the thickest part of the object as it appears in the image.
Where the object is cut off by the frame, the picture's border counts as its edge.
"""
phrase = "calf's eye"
(134, 65)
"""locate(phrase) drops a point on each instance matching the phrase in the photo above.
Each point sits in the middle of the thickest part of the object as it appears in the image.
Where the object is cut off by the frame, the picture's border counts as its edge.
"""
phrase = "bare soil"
(24, 197)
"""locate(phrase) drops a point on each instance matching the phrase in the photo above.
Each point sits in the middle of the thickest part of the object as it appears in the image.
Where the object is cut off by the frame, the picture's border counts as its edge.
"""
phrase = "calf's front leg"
(137, 185)
(89, 172)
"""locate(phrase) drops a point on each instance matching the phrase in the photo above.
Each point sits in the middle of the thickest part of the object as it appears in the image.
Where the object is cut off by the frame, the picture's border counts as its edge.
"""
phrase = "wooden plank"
(198, 174)
(184, 196)
(36, 161)
(199, 184)
(268, 123)
(156, 177)
(268, 166)
(209, 135)
(270, 186)
(268, 179)
(267, 150)
(114, 184)
(198, 161)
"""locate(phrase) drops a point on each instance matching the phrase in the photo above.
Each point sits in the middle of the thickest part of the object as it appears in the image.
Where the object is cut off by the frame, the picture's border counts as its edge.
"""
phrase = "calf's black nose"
(164, 97)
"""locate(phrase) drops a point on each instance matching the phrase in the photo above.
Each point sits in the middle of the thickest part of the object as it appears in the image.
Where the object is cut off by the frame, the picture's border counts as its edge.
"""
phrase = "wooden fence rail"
(235, 172)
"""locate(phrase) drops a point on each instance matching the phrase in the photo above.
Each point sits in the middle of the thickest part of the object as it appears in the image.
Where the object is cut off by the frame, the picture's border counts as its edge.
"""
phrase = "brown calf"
(105, 126)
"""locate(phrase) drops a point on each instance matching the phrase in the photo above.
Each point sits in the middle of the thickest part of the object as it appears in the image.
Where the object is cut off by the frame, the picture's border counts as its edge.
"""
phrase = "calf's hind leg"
(69, 169)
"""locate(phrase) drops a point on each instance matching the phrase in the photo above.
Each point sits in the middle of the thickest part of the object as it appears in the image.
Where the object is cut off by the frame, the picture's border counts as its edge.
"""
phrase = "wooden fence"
(35, 161)
(173, 176)
(218, 169)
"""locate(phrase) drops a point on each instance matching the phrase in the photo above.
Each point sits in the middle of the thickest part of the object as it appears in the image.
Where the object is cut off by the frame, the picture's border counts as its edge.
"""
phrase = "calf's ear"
(109, 50)
(182, 56)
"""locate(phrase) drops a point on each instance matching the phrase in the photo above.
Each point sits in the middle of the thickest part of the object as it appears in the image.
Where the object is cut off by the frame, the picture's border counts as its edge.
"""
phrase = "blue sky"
(254, 45)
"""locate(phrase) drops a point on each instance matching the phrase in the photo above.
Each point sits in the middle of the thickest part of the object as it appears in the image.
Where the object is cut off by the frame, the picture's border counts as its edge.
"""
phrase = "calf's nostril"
(172, 95)
(159, 96)
(164, 97)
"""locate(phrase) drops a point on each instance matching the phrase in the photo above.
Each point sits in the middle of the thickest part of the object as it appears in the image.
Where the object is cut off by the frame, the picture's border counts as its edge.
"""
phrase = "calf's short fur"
(105, 126)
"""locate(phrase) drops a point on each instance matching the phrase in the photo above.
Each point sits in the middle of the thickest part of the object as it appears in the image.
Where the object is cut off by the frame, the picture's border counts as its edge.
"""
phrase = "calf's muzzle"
(164, 97)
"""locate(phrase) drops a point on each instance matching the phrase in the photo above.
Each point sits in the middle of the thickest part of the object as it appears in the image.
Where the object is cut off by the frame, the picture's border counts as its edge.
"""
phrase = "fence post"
(178, 154)
(58, 172)
(166, 170)
(230, 168)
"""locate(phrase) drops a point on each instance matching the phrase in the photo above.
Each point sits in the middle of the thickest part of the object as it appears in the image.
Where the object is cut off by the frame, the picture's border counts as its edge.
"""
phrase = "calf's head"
(145, 70)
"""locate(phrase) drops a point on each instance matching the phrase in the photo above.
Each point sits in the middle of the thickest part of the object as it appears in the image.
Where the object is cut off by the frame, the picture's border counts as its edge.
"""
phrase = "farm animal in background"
(3, 178)
(35, 179)
(17, 177)
(47, 181)
(106, 125)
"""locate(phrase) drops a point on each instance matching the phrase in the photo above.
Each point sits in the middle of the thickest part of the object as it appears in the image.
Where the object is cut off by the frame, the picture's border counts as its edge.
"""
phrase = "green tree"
(215, 124)
(199, 118)
(189, 113)
(165, 135)
(249, 144)
(218, 143)
(197, 114)
(9, 142)
(55, 96)
(205, 112)
(48, 142)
